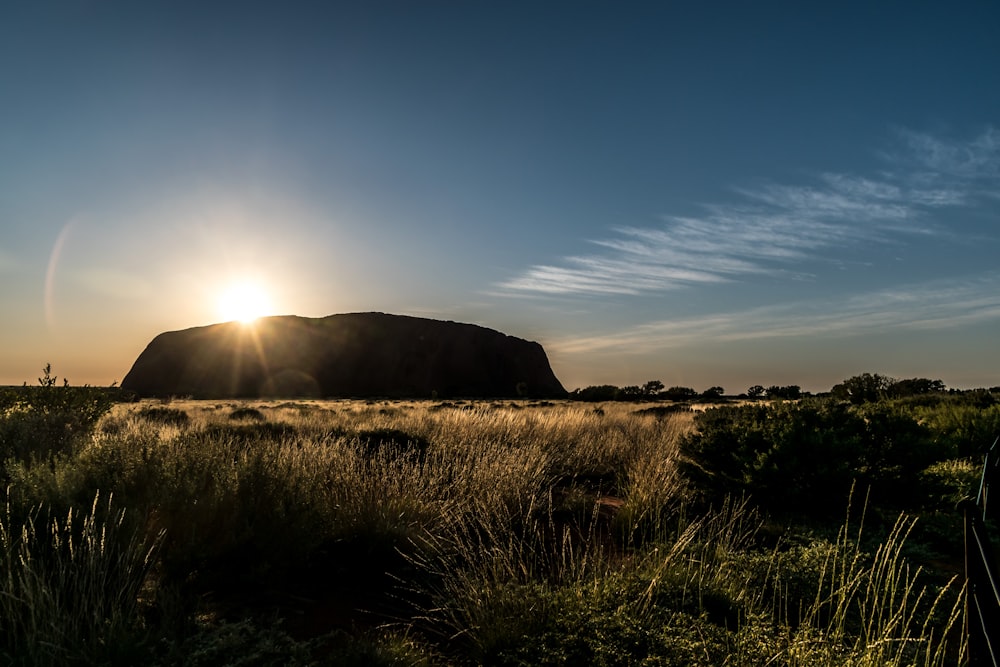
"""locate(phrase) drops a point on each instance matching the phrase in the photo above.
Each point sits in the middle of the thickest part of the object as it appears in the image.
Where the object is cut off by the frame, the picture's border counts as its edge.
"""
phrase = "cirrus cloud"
(773, 228)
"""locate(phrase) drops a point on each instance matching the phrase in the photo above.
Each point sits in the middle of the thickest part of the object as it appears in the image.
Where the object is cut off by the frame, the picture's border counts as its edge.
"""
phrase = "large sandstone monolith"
(349, 355)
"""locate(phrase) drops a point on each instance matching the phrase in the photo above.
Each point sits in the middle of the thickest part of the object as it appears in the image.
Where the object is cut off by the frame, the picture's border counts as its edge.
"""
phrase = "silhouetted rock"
(350, 355)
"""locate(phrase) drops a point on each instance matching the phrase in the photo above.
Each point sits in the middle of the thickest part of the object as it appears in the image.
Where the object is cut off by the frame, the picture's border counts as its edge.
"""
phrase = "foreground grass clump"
(706, 595)
(459, 533)
(70, 585)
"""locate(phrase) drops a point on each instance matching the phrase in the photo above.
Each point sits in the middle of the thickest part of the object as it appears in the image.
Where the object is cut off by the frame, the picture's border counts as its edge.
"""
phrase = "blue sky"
(701, 193)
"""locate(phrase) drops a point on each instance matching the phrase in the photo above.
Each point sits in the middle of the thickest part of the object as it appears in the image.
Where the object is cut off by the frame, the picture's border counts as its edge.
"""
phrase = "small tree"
(630, 392)
(789, 392)
(914, 387)
(652, 388)
(38, 422)
(713, 393)
(864, 388)
(755, 391)
(680, 394)
(596, 393)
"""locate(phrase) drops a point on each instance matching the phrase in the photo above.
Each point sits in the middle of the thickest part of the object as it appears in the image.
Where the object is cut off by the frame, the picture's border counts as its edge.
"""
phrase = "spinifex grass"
(489, 532)
(876, 609)
(703, 594)
(69, 585)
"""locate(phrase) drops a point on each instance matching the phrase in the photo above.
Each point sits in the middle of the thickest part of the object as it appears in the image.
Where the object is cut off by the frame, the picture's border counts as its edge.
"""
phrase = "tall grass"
(868, 609)
(486, 533)
(701, 595)
(70, 585)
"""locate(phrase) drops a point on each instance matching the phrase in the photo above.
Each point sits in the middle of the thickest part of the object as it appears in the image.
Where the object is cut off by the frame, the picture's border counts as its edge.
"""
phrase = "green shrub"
(39, 422)
(591, 626)
(962, 429)
(376, 649)
(897, 450)
(164, 415)
(946, 483)
(549, 536)
(784, 455)
(804, 458)
(238, 644)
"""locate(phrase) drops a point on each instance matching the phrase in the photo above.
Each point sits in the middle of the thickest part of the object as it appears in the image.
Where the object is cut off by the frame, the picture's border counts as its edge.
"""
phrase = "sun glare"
(244, 302)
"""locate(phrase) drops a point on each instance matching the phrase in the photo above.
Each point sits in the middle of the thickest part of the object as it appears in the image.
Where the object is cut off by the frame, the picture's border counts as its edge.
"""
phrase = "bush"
(963, 429)
(247, 414)
(36, 423)
(393, 443)
(946, 483)
(804, 458)
(596, 394)
(790, 392)
(897, 450)
(491, 535)
(239, 644)
(166, 416)
(679, 394)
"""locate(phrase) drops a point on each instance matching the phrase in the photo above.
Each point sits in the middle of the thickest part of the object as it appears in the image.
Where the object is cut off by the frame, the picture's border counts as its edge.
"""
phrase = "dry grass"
(478, 526)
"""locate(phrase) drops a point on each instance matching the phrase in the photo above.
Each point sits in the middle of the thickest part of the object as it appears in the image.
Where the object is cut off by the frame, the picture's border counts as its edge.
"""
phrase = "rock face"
(349, 355)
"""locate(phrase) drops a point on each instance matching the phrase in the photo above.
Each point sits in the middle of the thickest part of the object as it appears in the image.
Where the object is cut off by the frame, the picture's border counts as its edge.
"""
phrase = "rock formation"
(349, 355)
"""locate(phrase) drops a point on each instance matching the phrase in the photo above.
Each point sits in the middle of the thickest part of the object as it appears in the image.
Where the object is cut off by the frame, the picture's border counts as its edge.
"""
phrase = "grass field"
(452, 533)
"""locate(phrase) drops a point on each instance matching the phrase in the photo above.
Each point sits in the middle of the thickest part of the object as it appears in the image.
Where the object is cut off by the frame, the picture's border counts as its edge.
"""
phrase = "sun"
(244, 302)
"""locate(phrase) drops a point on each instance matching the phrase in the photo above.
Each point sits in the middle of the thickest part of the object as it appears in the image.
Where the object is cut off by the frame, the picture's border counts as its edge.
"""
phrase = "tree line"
(655, 390)
(859, 389)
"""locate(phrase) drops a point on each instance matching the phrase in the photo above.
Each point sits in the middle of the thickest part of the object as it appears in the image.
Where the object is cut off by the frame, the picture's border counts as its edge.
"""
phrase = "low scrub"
(805, 457)
(37, 423)
(358, 533)
(165, 415)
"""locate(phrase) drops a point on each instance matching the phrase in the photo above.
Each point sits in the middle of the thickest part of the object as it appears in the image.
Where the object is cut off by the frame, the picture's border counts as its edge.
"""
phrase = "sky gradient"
(701, 193)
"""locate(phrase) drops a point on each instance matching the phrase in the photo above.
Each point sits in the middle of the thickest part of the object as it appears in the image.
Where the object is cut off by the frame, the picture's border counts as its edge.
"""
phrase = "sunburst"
(244, 302)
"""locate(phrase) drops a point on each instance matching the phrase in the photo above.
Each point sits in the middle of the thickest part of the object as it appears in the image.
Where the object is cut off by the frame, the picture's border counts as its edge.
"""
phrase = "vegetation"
(654, 390)
(811, 532)
(807, 456)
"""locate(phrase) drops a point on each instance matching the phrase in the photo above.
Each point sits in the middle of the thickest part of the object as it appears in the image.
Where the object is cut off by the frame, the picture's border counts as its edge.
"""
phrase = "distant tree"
(652, 388)
(755, 391)
(789, 392)
(980, 398)
(864, 388)
(630, 392)
(792, 392)
(596, 393)
(914, 387)
(713, 393)
(680, 394)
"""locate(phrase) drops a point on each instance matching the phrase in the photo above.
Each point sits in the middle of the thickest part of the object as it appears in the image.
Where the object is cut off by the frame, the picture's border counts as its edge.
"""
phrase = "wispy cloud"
(932, 305)
(977, 159)
(776, 227)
